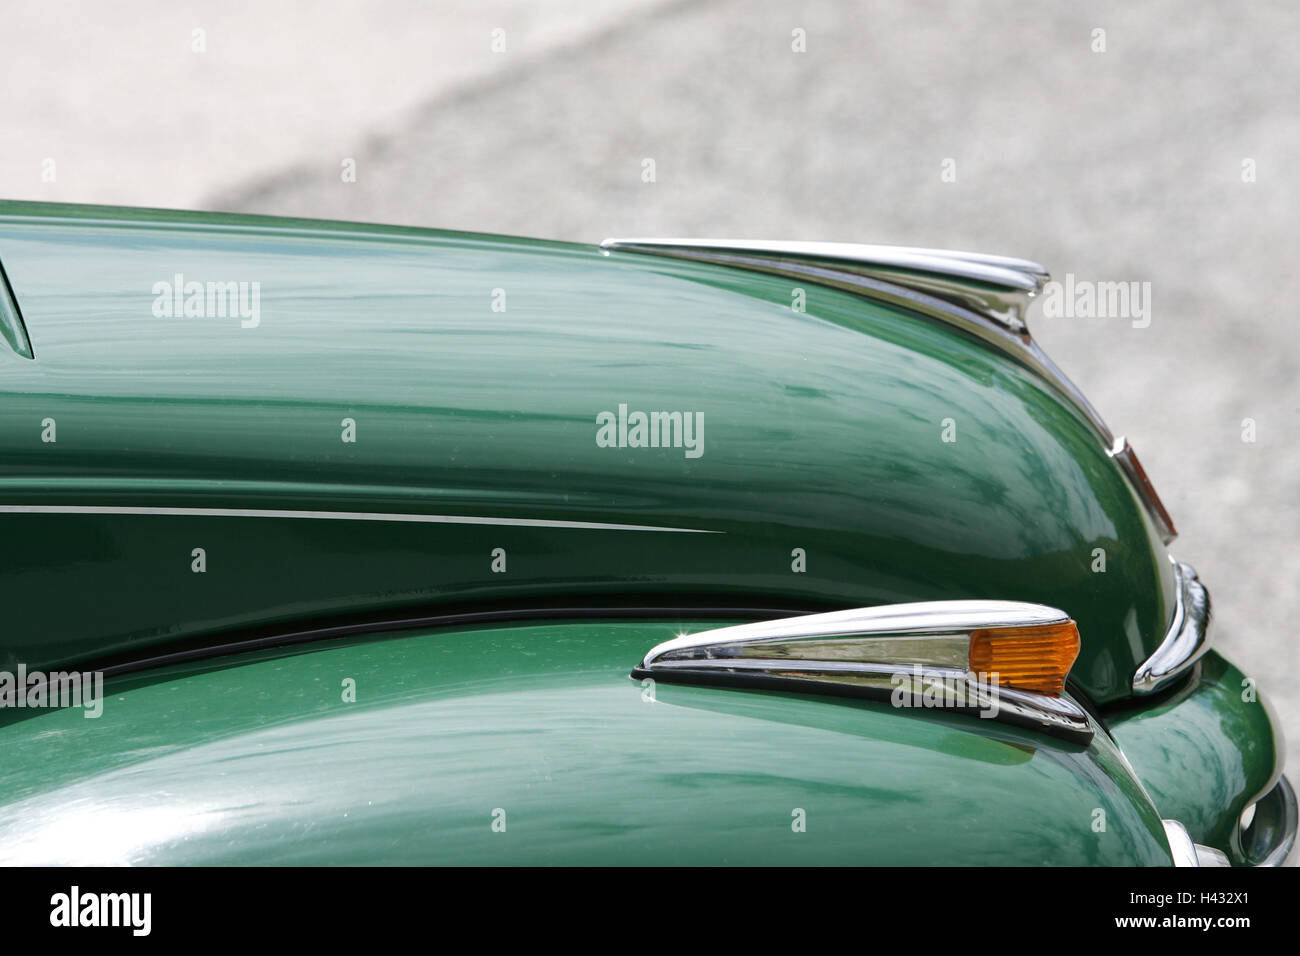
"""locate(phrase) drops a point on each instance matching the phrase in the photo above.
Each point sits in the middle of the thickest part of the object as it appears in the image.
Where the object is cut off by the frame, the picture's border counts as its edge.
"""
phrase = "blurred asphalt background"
(1117, 165)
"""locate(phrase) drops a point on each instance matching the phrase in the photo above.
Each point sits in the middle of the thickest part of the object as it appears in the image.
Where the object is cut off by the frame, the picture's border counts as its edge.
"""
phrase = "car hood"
(175, 476)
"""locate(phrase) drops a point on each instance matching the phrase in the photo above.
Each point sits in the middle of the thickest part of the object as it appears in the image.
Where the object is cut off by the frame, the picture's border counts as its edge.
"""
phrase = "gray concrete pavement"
(162, 102)
(1125, 165)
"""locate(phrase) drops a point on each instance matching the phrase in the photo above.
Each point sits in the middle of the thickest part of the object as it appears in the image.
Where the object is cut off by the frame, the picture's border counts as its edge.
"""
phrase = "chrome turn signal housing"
(1002, 659)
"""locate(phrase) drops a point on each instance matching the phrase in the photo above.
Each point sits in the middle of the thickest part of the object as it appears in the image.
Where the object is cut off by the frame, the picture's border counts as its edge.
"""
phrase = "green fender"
(1204, 751)
(538, 729)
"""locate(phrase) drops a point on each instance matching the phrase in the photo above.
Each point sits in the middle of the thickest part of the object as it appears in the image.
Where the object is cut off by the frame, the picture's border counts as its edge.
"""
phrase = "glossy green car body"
(259, 760)
(405, 428)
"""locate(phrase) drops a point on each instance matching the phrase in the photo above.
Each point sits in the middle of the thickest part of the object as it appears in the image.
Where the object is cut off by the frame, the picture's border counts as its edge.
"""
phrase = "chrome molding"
(927, 617)
(1187, 638)
(1180, 844)
(144, 510)
(878, 652)
(998, 288)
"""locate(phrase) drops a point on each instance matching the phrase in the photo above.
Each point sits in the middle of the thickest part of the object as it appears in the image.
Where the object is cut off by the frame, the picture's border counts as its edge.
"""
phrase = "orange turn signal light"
(1035, 658)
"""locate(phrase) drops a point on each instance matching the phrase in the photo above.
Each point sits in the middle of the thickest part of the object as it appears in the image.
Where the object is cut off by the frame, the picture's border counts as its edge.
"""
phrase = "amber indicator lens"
(1035, 658)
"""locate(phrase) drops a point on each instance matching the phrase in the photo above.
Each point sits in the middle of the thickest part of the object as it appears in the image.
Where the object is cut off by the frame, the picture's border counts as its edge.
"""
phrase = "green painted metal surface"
(258, 760)
(1205, 751)
(822, 431)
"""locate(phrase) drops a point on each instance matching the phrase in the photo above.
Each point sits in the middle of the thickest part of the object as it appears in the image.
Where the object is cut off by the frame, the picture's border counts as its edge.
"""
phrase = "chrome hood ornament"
(996, 288)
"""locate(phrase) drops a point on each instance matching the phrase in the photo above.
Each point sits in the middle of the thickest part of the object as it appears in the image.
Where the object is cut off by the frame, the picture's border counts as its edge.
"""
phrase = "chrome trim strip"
(794, 665)
(877, 652)
(999, 288)
(334, 516)
(925, 617)
(1181, 846)
(1187, 638)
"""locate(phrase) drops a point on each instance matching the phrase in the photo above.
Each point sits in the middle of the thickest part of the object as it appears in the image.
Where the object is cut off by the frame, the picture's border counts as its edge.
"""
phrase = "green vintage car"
(331, 543)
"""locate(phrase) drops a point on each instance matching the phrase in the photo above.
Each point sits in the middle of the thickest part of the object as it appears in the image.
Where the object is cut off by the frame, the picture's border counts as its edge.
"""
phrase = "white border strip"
(334, 516)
